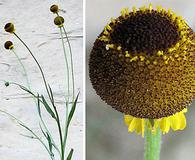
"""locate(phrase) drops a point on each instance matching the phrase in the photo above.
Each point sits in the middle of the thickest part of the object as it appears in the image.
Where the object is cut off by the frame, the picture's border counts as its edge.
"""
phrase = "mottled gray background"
(107, 136)
(34, 24)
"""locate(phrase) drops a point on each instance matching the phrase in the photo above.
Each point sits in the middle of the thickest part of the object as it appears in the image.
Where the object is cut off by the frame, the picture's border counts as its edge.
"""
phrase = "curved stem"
(31, 131)
(67, 69)
(29, 87)
(66, 61)
(152, 144)
(71, 61)
(72, 68)
(43, 76)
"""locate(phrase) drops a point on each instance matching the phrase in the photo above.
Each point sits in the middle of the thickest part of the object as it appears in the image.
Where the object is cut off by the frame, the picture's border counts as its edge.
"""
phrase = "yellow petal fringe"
(176, 122)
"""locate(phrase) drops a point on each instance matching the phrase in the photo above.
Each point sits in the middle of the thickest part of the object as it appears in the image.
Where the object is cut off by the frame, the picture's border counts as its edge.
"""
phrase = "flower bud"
(54, 8)
(6, 84)
(59, 21)
(9, 27)
(8, 45)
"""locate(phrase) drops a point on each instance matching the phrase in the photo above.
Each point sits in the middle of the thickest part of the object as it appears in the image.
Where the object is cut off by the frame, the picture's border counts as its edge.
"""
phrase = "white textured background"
(107, 136)
(34, 24)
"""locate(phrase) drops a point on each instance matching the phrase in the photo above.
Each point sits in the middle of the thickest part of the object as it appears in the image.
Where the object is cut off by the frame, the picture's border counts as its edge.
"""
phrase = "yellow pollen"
(119, 48)
(173, 17)
(125, 12)
(177, 45)
(169, 11)
(134, 9)
(171, 50)
(165, 57)
(103, 38)
(134, 59)
(155, 62)
(150, 6)
(171, 58)
(142, 58)
(127, 54)
(143, 8)
(113, 20)
(147, 62)
(176, 55)
(160, 53)
(106, 32)
(108, 27)
(159, 8)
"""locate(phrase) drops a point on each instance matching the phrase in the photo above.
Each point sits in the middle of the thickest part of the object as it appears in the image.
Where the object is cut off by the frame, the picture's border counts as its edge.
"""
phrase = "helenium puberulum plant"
(47, 103)
(143, 65)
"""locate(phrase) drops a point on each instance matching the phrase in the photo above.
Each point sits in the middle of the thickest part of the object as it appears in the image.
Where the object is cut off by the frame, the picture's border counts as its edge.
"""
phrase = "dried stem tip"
(9, 27)
(54, 8)
(8, 45)
(59, 21)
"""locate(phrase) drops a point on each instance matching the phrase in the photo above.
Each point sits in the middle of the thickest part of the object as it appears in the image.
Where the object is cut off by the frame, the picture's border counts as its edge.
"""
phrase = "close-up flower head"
(143, 65)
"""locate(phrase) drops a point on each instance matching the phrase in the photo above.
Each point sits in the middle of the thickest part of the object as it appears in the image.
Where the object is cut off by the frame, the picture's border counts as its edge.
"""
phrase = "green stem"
(32, 132)
(60, 132)
(43, 76)
(66, 61)
(71, 61)
(29, 87)
(67, 69)
(152, 144)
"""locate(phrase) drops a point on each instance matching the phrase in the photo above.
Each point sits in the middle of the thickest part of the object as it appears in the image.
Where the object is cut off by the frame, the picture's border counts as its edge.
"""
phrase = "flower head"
(9, 27)
(8, 45)
(59, 21)
(143, 65)
(54, 8)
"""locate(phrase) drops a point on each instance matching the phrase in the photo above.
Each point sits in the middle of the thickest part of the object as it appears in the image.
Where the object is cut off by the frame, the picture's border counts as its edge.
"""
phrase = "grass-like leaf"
(47, 107)
(72, 110)
(38, 105)
(70, 155)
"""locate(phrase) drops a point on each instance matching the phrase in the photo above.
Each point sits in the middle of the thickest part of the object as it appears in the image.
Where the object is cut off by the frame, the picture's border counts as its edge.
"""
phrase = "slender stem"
(66, 61)
(33, 133)
(29, 87)
(152, 144)
(24, 69)
(68, 79)
(60, 132)
(43, 76)
(72, 68)
(71, 59)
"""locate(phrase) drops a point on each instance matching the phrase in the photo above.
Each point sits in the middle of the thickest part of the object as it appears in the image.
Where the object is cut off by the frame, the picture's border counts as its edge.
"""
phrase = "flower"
(9, 27)
(54, 8)
(8, 45)
(59, 21)
(143, 65)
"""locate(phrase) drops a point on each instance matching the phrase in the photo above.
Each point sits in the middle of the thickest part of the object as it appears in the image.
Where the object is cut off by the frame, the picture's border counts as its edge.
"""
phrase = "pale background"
(34, 24)
(107, 136)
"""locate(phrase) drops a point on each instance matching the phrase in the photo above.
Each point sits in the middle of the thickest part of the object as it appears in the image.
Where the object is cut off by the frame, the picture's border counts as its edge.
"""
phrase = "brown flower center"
(145, 32)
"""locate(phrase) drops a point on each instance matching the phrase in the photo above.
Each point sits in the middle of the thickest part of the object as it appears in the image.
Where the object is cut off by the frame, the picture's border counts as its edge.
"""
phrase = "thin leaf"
(42, 131)
(27, 136)
(51, 93)
(70, 155)
(38, 105)
(72, 111)
(26, 89)
(47, 107)
(49, 142)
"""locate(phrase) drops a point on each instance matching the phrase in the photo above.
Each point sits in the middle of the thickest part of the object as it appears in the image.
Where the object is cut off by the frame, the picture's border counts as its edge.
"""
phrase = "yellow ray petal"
(127, 119)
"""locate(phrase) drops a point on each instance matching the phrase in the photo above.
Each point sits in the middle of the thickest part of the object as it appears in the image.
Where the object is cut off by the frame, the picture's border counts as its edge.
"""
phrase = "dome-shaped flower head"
(8, 45)
(9, 27)
(143, 65)
(59, 21)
